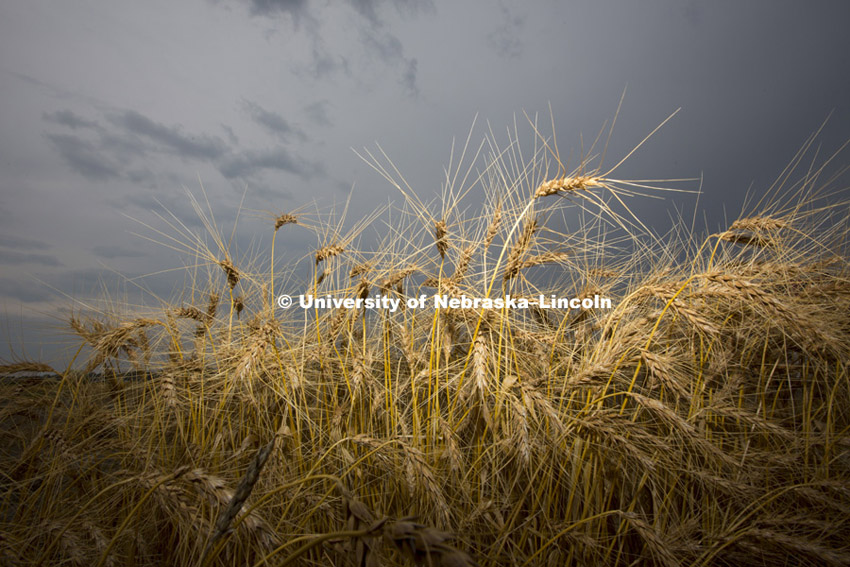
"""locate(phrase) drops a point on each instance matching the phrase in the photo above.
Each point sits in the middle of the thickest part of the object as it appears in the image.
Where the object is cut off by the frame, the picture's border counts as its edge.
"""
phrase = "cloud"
(272, 122)
(69, 119)
(389, 49)
(172, 137)
(270, 8)
(505, 39)
(368, 9)
(23, 291)
(10, 241)
(109, 251)
(375, 36)
(386, 46)
(83, 157)
(10, 257)
(144, 177)
(408, 78)
(123, 147)
(251, 162)
(130, 136)
(231, 136)
(322, 62)
(318, 112)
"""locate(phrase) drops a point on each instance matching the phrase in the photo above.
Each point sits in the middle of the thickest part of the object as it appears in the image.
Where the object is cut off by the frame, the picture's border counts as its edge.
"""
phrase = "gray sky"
(111, 108)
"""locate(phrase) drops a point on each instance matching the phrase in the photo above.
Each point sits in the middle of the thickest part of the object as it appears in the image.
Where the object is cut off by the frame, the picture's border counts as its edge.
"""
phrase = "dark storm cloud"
(386, 45)
(84, 157)
(323, 63)
(271, 8)
(22, 290)
(99, 159)
(172, 137)
(389, 49)
(108, 251)
(369, 8)
(144, 177)
(69, 119)
(231, 136)
(123, 147)
(10, 241)
(375, 36)
(272, 122)
(251, 162)
(408, 77)
(505, 39)
(11, 257)
(129, 136)
(318, 112)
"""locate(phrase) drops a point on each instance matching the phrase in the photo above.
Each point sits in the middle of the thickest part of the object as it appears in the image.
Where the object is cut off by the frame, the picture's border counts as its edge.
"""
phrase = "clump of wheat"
(701, 420)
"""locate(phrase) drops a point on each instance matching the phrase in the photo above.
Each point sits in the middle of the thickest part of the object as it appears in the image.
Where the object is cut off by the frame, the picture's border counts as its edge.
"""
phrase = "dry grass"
(702, 420)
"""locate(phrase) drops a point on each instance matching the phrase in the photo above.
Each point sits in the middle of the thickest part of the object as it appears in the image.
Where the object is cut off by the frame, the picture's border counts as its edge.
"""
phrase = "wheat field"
(701, 420)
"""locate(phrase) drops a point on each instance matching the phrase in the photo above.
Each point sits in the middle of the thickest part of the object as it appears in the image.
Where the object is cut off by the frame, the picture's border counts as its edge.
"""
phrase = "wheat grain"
(440, 237)
(462, 264)
(544, 258)
(567, 184)
(758, 224)
(745, 239)
(396, 278)
(231, 272)
(493, 228)
(328, 251)
(284, 219)
(480, 362)
(360, 269)
(236, 502)
(522, 244)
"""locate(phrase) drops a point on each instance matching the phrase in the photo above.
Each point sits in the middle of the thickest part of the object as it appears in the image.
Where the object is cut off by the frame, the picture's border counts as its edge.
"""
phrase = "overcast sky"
(112, 108)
